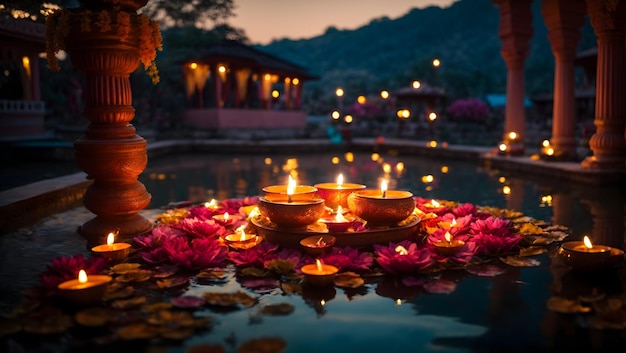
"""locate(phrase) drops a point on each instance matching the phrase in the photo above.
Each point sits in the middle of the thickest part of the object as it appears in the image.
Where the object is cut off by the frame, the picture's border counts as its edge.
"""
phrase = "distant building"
(21, 108)
(233, 86)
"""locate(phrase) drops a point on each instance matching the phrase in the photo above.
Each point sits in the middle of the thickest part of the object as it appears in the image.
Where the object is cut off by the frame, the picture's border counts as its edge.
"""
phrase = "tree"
(195, 13)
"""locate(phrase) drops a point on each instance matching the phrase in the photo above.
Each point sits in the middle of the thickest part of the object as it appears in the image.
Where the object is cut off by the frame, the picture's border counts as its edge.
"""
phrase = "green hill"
(388, 54)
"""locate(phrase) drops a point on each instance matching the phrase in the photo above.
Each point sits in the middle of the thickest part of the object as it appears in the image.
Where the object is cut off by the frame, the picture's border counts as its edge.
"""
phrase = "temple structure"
(21, 108)
(233, 86)
(564, 18)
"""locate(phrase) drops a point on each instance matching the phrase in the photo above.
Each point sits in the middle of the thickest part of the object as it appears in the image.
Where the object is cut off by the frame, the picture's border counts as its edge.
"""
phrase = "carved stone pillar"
(515, 32)
(110, 151)
(564, 18)
(607, 144)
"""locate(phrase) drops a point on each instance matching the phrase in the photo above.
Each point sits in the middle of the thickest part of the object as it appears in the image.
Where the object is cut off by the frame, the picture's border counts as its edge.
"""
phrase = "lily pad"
(255, 272)
(277, 309)
(211, 274)
(171, 318)
(134, 276)
(532, 250)
(229, 299)
(291, 288)
(136, 331)
(128, 303)
(117, 291)
(124, 267)
(164, 271)
(520, 261)
(348, 280)
(173, 282)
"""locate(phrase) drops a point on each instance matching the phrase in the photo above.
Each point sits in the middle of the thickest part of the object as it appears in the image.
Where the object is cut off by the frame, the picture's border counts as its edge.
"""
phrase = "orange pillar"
(607, 144)
(515, 32)
(564, 18)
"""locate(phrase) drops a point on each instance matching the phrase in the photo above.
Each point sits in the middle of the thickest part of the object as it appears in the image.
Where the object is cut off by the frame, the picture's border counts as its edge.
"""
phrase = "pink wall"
(244, 119)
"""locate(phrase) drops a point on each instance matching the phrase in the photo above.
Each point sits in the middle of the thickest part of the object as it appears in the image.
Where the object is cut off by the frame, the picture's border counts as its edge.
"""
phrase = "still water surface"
(484, 314)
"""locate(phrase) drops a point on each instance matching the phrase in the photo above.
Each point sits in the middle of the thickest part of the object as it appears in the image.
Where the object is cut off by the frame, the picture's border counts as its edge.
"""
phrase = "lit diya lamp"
(112, 251)
(85, 290)
(381, 207)
(211, 204)
(316, 245)
(297, 192)
(336, 194)
(583, 255)
(448, 246)
(226, 219)
(319, 274)
(288, 212)
(241, 239)
(339, 223)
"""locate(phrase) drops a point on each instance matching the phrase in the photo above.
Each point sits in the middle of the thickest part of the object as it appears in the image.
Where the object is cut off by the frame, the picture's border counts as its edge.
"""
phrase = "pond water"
(502, 313)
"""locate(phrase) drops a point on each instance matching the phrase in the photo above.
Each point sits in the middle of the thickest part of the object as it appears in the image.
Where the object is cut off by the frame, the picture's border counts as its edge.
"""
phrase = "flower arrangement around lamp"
(112, 18)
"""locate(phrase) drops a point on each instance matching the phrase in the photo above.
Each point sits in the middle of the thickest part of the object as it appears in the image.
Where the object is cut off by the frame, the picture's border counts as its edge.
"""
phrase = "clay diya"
(448, 246)
(291, 190)
(381, 207)
(317, 244)
(319, 274)
(291, 214)
(241, 239)
(85, 290)
(336, 194)
(585, 256)
(339, 223)
(112, 251)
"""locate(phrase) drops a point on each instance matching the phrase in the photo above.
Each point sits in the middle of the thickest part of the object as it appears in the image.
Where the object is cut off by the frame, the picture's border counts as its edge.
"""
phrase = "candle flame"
(383, 187)
(435, 203)
(339, 217)
(340, 180)
(398, 302)
(453, 223)
(226, 216)
(401, 250)
(587, 242)
(320, 242)
(322, 302)
(211, 204)
(318, 263)
(243, 235)
(82, 276)
(110, 239)
(291, 187)
(448, 237)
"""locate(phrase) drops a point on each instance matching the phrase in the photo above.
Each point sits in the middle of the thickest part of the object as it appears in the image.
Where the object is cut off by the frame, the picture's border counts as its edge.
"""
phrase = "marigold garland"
(119, 22)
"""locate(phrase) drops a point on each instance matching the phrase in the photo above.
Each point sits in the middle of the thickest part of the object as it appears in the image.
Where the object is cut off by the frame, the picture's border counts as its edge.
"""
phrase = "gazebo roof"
(424, 92)
(238, 54)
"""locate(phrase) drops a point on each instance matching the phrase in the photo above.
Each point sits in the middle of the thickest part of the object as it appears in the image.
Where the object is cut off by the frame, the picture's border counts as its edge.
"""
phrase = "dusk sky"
(297, 19)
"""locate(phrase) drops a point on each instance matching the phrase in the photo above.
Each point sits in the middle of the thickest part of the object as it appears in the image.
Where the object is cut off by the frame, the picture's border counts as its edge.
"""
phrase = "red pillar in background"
(515, 32)
(607, 144)
(564, 18)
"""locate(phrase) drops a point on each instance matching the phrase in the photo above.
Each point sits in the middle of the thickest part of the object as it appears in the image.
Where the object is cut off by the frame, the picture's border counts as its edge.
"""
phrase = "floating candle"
(316, 245)
(241, 239)
(448, 246)
(85, 290)
(339, 223)
(585, 256)
(319, 274)
(112, 251)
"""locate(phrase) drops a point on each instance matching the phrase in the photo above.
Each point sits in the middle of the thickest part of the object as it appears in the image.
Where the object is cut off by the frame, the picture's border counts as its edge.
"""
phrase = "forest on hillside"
(389, 54)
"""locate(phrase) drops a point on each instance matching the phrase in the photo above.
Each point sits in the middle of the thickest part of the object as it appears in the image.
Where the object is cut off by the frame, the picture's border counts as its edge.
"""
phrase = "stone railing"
(21, 107)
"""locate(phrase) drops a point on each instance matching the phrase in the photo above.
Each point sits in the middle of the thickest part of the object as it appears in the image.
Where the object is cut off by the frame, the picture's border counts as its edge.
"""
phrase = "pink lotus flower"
(254, 257)
(201, 212)
(495, 245)
(155, 256)
(158, 236)
(198, 254)
(348, 259)
(493, 236)
(65, 268)
(492, 225)
(465, 210)
(402, 258)
(200, 228)
(291, 255)
(426, 206)
(461, 224)
(233, 206)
